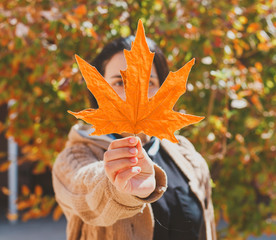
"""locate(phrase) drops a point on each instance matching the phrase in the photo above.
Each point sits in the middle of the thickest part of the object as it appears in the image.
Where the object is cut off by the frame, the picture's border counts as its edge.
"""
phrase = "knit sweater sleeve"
(82, 188)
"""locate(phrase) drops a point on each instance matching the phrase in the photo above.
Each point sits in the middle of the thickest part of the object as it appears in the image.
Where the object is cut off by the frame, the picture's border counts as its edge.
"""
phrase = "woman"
(126, 187)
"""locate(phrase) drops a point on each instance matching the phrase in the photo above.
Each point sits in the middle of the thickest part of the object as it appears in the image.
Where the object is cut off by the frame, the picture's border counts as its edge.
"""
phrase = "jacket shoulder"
(79, 139)
(203, 175)
(188, 150)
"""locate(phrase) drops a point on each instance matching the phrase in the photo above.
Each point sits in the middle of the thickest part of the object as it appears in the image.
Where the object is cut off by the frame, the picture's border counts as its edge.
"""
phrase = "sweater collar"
(80, 132)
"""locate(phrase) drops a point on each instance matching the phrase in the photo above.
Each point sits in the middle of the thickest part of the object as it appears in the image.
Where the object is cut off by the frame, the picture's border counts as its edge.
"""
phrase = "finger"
(123, 177)
(139, 147)
(119, 153)
(123, 142)
(112, 168)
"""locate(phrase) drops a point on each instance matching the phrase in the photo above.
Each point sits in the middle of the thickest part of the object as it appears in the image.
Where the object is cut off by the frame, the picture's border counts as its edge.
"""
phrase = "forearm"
(100, 206)
(82, 188)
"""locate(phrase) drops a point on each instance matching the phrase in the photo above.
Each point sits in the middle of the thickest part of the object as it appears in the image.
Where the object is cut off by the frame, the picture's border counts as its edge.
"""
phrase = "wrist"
(146, 194)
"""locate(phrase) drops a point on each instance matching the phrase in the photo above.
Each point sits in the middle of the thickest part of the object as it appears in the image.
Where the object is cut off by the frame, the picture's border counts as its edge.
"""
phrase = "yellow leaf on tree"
(38, 190)
(25, 190)
(81, 10)
(24, 204)
(12, 216)
(5, 166)
(57, 213)
(5, 190)
(153, 116)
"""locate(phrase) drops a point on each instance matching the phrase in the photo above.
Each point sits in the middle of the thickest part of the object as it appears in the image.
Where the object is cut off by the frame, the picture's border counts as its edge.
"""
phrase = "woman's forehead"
(115, 64)
(118, 63)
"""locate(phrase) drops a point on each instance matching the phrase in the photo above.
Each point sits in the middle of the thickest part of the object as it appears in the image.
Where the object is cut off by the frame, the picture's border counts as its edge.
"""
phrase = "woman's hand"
(129, 168)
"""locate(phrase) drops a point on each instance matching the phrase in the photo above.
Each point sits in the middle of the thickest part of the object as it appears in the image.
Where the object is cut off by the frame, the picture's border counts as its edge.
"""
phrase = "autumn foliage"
(138, 113)
(233, 85)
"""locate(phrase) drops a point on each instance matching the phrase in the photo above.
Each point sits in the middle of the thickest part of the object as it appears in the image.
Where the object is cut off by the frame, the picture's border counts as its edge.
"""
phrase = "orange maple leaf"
(153, 116)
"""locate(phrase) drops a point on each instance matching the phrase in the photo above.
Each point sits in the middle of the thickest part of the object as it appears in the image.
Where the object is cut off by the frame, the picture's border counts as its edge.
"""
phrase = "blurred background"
(232, 84)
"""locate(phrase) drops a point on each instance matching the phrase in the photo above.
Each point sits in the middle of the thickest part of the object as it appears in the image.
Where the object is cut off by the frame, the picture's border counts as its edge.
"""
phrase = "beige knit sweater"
(94, 209)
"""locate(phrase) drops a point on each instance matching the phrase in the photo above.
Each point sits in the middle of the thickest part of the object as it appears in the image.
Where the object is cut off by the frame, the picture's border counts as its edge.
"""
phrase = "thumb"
(141, 151)
(139, 148)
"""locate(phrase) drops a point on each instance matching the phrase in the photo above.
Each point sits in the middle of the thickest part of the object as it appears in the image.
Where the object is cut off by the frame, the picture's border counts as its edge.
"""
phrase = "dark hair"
(119, 45)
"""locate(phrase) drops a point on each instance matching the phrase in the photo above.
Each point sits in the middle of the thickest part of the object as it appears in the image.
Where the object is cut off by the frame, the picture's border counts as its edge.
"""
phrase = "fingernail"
(136, 169)
(133, 160)
(132, 140)
(132, 150)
